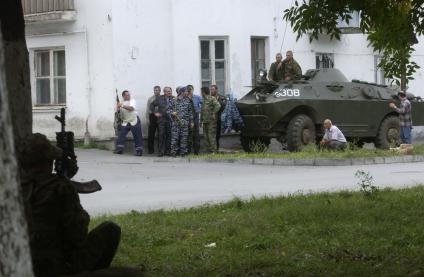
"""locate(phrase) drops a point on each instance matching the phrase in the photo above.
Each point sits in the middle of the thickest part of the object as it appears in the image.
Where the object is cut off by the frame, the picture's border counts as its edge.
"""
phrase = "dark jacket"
(160, 105)
(276, 73)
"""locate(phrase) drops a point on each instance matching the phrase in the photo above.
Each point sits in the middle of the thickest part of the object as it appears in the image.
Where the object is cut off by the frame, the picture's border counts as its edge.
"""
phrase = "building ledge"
(51, 17)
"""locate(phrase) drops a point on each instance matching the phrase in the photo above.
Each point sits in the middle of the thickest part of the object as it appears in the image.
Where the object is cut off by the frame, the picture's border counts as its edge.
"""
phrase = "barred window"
(214, 71)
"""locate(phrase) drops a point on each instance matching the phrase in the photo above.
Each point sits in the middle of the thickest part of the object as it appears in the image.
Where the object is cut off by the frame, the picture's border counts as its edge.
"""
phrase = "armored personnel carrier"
(293, 111)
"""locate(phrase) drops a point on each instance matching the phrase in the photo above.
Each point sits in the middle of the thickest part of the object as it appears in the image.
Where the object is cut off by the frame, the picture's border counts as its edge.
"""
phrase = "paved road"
(133, 183)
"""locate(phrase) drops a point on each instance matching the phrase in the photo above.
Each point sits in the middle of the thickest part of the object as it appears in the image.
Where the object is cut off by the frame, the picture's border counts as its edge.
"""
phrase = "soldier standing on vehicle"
(222, 102)
(130, 122)
(153, 121)
(208, 119)
(292, 70)
(194, 138)
(58, 224)
(182, 120)
(405, 117)
(276, 71)
(333, 138)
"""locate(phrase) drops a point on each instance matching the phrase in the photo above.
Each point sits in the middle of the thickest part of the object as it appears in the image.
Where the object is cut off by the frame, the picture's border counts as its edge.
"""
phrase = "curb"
(306, 162)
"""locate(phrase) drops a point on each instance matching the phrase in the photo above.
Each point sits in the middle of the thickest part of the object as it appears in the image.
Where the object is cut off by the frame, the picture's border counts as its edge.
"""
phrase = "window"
(258, 57)
(324, 60)
(213, 54)
(50, 77)
(352, 26)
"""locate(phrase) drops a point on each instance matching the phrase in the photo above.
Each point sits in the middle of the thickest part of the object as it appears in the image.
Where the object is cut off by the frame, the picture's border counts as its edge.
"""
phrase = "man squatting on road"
(333, 138)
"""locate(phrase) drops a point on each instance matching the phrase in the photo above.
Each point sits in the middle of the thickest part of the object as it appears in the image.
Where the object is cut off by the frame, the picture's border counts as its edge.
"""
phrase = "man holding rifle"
(130, 122)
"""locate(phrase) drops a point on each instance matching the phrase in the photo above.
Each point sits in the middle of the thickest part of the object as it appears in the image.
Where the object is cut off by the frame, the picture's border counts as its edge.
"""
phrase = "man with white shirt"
(130, 122)
(333, 138)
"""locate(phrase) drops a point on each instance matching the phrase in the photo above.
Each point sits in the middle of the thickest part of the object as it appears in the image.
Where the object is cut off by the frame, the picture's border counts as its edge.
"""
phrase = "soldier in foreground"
(208, 119)
(333, 138)
(58, 225)
(291, 68)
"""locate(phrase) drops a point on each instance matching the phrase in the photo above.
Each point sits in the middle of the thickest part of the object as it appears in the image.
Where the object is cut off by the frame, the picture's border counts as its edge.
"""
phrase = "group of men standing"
(175, 120)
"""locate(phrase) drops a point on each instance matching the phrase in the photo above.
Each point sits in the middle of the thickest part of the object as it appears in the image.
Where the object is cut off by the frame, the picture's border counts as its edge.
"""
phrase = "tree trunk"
(15, 259)
(15, 123)
(17, 67)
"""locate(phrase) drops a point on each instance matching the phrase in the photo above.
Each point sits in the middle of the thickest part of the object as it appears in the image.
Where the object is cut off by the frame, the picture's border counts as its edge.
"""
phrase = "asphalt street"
(147, 183)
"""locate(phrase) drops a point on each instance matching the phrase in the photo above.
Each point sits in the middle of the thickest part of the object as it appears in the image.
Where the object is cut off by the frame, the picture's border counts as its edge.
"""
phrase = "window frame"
(212, 60)
(52, 77)
(254, 58)
(322, 54)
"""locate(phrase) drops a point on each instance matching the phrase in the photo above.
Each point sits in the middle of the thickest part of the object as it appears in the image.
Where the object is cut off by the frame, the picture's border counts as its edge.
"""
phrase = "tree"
(391, 27)
(15, 111)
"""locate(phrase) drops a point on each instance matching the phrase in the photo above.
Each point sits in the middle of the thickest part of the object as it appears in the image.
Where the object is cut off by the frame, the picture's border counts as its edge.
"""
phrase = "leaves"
(391, 27)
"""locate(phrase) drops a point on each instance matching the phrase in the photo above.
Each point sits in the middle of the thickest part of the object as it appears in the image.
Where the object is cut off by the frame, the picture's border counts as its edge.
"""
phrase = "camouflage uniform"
(276, 72)
(208, 118)
(292, 70)
(58, 225)
(180, 125)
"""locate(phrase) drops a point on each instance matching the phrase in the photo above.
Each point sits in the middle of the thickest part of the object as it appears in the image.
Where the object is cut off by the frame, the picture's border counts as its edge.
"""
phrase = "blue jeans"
(136, 132)
(405, 135)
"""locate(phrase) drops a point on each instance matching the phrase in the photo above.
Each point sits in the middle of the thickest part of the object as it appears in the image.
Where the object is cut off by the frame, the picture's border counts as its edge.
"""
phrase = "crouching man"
(333, 138)
(58, 224)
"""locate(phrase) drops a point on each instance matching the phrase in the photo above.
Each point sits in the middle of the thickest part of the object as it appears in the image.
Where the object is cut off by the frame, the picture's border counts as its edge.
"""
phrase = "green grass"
(92, 145)
(312, 153)
(327, 234)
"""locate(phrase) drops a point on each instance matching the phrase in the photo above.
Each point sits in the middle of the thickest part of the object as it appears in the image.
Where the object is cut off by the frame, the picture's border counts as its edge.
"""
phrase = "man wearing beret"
(58, 224)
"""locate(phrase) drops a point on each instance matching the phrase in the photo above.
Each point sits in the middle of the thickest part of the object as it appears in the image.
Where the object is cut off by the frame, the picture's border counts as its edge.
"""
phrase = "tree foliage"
(391, 27)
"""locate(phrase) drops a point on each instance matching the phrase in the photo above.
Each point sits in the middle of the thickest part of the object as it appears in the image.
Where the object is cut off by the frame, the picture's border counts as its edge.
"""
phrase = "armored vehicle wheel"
(300, 132)
(255, 144)
(388, 133)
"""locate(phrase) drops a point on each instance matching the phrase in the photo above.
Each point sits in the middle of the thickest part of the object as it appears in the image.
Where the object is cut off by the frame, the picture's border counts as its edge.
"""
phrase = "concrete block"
(305, 162)
(243, 161)
(379, 160)
(369, 161)
(265, 161)
(284, 162)
(418, 158)
(333, 162)
(358, 161)
(391, 160)
(408, 159)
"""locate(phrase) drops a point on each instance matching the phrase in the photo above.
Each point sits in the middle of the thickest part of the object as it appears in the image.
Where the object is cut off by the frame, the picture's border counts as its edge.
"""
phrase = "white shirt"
(334, 133)
(127, 116)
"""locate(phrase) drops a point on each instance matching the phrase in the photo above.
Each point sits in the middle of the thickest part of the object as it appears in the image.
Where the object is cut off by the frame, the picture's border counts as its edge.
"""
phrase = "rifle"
(118, 120)
(67, 165)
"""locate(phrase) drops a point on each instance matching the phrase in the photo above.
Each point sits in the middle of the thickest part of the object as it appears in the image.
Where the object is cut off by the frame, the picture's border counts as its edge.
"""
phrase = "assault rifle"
(67, 165)
(118, 120)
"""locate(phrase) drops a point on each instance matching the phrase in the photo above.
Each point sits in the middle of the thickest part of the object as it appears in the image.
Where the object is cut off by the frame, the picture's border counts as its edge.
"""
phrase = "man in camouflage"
(194, 133)
(276, 71)
(222, 100)
(58, 225)
(208, 118)
(182, 120)
(291, 69)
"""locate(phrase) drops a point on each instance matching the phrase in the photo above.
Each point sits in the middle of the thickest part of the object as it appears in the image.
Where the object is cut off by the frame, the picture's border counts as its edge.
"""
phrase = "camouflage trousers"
(209, 132)
(179, 138)
(194, 136)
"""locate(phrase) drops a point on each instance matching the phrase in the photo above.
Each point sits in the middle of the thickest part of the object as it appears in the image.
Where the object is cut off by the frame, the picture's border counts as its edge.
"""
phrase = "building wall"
(136, 44)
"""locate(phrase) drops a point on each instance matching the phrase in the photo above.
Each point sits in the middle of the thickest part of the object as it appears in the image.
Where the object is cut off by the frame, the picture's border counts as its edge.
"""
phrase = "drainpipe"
(87, 135)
